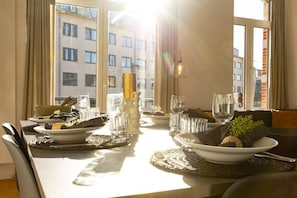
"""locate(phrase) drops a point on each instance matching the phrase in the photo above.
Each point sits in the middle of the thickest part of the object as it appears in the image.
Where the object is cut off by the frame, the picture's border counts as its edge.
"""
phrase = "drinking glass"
(223, 107)
(83, 105)
(118, 126)
(113, 104)
(177, 104)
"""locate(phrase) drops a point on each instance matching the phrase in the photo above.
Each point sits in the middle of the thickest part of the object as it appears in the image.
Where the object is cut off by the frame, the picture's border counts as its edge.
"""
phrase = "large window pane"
(134, 33)
(251, 52)
(251, 9)
(75, 49)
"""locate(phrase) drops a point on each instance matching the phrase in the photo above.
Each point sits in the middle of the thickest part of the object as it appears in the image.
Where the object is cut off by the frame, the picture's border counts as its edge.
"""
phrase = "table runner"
(179, 161)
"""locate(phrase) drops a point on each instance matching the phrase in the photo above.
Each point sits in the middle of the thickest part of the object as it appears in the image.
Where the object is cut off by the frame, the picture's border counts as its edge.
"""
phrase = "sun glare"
(143, 10)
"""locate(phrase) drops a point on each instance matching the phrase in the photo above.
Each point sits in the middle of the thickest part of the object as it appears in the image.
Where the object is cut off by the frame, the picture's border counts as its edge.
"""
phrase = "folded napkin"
(94, 122)
(214, 136)
(199, 114)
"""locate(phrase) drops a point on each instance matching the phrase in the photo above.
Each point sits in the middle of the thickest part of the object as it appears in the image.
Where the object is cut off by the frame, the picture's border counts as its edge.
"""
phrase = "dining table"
(123, 171)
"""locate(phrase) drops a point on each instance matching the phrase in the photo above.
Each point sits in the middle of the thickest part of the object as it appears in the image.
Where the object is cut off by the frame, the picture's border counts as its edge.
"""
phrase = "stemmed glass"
(223, 107)
(177, 104)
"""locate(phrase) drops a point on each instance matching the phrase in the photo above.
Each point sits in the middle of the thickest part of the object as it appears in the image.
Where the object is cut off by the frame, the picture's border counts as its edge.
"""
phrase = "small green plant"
(243, 124)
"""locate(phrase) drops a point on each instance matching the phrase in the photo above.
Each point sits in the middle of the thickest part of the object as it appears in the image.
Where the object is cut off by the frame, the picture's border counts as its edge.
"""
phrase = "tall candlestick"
(129, 85)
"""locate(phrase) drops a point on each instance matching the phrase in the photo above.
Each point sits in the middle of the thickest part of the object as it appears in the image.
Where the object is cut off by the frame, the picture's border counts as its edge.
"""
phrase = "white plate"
(67, 135)
(44, 119)
(161, 120)
(225, 155)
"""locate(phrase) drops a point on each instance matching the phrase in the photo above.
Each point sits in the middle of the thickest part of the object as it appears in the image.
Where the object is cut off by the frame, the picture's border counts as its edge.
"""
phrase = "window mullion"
(249, 68)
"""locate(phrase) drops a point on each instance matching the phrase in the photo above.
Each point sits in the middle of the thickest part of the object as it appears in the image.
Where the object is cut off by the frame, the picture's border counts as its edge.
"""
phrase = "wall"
(291, 50)
(12, 56)
(205, 32)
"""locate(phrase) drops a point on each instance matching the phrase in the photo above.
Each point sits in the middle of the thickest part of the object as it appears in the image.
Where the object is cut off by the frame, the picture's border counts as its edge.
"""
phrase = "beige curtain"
(38, 68)
(165, 83)
(278, 92)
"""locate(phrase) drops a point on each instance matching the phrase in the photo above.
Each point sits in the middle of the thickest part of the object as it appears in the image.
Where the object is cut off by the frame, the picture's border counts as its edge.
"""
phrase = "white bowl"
(225, 155)
(74, 135)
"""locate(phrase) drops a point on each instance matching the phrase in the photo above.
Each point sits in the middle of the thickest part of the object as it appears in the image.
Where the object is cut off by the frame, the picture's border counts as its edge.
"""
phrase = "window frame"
(249, 25)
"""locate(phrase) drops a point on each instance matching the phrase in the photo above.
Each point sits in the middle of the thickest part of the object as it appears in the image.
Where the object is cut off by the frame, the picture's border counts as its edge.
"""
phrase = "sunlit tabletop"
(119, 172)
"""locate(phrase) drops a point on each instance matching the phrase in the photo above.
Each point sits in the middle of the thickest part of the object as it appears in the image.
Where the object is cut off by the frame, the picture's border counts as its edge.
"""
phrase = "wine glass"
(223, 107)
(177, 104)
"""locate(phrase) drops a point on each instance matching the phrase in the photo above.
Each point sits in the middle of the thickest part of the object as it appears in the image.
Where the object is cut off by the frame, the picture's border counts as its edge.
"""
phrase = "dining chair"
(272, 185)
(10, 129)
(25, 176)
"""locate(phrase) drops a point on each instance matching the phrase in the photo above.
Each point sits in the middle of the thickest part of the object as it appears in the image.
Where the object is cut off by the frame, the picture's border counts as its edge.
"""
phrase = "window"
(69, 29)
(112, 39)
(90, 57)
(69, 54)
(91, 13)
(141, 62)
(252, 51)
(141, 45)
(90, 80)
(69, 79)
(111, 81)
(126, 61)
(91, 60)
(141, 83)
(126, 42)
(112, 60)
(91, 34)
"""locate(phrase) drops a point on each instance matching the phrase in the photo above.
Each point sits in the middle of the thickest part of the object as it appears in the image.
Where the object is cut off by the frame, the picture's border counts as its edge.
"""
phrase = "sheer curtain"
(37, 69)
(166, 54)
(278, 85)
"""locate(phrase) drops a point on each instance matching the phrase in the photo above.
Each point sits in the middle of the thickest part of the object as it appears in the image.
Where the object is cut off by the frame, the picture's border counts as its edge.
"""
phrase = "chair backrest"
(272, 185)
(26, 179)
(11, 130)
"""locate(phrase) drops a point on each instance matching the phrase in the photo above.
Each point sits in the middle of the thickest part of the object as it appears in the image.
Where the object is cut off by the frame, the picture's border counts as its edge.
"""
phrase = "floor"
(8, 189)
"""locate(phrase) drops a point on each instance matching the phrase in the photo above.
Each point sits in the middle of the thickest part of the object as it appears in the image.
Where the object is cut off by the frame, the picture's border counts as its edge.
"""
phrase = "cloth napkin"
(199, 114)
(214, 136)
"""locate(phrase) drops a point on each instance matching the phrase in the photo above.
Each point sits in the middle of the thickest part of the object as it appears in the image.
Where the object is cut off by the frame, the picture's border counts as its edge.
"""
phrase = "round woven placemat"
(179, 161)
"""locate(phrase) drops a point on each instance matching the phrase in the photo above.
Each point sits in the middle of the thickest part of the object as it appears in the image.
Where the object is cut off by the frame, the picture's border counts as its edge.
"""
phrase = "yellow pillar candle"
(129, 85)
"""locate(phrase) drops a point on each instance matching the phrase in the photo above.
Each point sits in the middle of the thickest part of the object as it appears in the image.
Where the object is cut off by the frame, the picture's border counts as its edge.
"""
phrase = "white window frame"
(250, 24)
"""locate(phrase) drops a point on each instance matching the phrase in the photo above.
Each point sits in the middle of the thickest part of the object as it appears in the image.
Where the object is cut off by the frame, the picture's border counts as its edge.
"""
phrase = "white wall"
(12, 57)
(291, 50)
(205, 32)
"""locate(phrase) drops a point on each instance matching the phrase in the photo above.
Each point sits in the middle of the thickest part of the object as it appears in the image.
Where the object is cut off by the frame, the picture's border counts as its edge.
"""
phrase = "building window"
(111, 81)
(91, 34)
(112, 39)
(91, 13)
(90, 80)
(152, 83)
(126, 61)
(141, 83)
(90, 57)
(69, 54)
(238, 77)
(141, 45)
(141, 62)
(126, 42)
(69, 29)
(111, 60)
(238, 65)
(69, 79)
